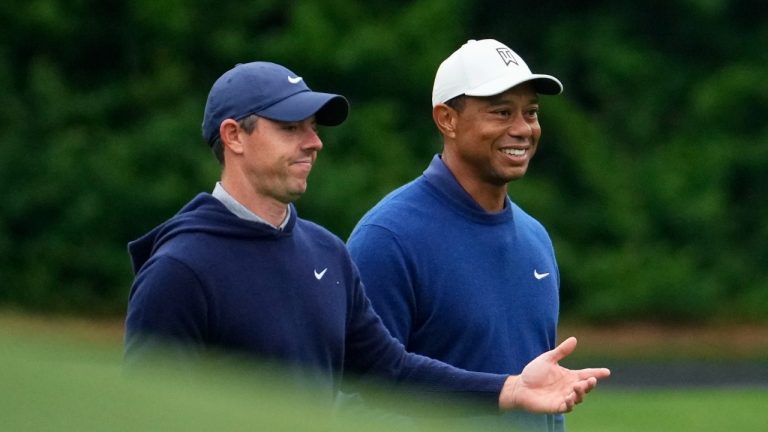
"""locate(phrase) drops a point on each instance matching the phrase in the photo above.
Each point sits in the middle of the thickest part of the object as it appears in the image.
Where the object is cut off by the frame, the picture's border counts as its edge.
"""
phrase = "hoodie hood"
(204, 214)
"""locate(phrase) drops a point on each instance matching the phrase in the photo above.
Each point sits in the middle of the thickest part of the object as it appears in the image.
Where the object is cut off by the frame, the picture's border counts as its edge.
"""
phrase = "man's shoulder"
(191, 248)
(408, 216)
(316, 233)
(403, 204)
(523, 217)
(530, 227)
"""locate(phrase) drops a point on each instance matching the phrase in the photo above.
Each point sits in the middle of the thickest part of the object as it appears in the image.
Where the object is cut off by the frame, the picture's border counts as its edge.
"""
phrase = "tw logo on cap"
(507, 56)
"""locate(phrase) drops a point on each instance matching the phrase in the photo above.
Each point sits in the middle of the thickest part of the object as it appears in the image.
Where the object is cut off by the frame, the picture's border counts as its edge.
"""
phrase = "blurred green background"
(651, 177)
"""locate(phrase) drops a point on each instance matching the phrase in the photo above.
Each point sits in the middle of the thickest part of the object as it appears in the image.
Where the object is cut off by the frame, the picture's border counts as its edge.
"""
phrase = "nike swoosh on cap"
(294, 80)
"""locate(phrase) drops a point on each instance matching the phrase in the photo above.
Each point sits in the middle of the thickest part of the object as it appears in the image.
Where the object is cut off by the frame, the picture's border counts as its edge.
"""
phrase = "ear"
(229, 131)
(445, 118)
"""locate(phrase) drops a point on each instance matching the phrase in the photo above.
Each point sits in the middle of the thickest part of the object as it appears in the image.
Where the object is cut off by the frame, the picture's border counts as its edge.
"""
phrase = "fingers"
(564, 349)
(597, 373)
(567, 405)
(575, 397)
(571, 400)
(582, 388)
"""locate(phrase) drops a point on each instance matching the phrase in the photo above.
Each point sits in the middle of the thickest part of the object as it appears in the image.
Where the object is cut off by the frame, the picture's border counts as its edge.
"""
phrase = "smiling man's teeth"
(514, 152)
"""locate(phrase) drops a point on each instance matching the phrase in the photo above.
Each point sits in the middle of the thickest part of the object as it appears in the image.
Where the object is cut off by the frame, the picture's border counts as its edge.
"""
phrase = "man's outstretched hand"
(546, 387)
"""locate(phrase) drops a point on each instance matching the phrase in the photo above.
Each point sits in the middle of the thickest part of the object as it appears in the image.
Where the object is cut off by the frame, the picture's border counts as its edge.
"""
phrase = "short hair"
(457, 102)
(248, 124)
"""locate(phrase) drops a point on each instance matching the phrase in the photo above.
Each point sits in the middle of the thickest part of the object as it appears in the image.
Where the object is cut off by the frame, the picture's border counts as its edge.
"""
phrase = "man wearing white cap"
(456, 270)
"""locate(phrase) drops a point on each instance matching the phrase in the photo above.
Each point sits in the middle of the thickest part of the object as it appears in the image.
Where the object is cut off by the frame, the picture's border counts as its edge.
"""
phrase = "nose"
(520, 127)
(313, 141)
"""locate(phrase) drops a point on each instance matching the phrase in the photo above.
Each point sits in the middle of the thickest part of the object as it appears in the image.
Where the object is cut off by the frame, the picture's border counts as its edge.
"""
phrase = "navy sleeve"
(384, 270)
(166, 310)
(372, 351)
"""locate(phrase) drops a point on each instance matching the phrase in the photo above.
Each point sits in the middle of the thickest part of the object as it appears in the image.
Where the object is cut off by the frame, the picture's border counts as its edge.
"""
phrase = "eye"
(532, 113)
(503, 113)
(289, 127)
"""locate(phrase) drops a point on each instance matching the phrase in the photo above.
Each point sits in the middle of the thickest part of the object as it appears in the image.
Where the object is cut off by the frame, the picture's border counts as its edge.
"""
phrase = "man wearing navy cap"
(237, 270)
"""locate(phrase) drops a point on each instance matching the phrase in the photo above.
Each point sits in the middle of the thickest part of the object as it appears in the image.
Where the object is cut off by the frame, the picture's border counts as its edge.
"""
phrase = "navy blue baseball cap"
(271, 91)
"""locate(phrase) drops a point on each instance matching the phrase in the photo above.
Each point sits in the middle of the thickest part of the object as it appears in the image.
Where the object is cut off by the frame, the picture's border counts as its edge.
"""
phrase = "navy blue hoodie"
(206, 279)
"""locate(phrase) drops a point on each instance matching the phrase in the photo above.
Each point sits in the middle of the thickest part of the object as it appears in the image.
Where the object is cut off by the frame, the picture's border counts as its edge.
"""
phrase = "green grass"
(52, 379)
(672, 410)
(55, 386)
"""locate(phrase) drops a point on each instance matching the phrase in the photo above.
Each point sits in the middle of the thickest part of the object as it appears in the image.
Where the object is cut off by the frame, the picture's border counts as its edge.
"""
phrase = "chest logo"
(320, 275)
(536, 274)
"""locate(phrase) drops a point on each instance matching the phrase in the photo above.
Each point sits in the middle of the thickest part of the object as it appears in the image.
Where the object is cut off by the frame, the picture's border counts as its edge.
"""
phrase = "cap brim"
(546, 84)
(328, 109)
(543, 84)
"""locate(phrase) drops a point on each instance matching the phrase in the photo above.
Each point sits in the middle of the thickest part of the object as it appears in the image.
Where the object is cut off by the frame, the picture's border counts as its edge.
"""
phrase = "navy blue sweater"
(453, 282)
(208, 279)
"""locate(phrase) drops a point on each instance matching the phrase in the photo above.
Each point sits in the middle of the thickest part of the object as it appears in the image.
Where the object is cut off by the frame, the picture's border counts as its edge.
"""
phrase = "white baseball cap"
(485, 68)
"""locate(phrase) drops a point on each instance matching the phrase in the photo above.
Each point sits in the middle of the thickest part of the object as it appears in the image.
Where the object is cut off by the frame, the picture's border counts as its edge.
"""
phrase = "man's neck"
(491, 198)
(269, 209)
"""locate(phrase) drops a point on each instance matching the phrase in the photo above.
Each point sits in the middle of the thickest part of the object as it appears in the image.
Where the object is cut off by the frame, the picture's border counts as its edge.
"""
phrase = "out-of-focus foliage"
(650, 178)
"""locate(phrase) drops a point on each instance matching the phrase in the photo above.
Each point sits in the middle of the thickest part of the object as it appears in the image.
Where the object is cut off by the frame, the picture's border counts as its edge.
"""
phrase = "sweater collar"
(450, 190)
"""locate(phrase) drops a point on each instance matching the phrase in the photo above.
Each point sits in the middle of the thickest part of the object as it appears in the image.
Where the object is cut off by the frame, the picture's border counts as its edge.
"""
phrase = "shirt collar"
(242, 211)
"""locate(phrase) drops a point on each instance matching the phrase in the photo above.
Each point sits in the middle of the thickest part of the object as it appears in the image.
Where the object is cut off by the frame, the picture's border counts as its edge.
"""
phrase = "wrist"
(508, 396)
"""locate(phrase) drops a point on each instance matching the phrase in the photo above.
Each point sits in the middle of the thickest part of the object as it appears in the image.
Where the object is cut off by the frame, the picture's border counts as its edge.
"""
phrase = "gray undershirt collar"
(242, 211)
